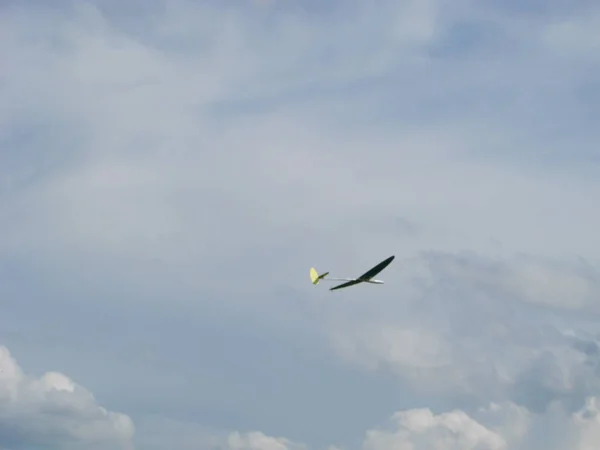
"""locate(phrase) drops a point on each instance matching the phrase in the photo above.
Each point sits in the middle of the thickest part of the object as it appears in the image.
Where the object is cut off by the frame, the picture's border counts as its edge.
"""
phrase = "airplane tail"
(315, 277)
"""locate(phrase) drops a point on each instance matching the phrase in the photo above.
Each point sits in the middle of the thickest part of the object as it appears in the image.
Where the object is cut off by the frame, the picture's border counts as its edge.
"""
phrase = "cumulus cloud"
(54, 412)
(505, 426)
(259, 441)
(421, 429)
(499, 426)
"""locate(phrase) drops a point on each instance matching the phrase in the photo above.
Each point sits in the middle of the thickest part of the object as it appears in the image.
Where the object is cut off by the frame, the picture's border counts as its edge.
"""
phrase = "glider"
(366, 277)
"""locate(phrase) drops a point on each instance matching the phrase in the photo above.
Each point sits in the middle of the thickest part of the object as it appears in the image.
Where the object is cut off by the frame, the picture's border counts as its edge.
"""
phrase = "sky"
(170, 170)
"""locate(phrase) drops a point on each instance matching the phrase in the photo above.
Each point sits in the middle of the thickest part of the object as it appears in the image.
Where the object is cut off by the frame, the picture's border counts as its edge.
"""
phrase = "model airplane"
(366, 277)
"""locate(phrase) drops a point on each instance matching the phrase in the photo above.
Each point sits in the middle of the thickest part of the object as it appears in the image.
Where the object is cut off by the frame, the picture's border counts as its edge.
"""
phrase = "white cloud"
(505, 426)
(587, 425)
(508, 420)
(420, 429)
(56, 413)
(259, 441)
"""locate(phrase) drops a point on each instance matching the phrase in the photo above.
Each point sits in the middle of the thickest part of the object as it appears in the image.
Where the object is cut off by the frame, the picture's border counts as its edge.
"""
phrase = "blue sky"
(170, 170)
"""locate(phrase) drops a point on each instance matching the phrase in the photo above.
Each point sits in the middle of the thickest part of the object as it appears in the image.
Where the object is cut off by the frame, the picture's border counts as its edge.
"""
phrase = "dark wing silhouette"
(367, 275)
(343, 285)
(375, 270)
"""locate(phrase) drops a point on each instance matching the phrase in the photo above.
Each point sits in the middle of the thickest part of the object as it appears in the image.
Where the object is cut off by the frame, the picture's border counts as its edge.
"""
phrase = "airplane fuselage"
(373, 281)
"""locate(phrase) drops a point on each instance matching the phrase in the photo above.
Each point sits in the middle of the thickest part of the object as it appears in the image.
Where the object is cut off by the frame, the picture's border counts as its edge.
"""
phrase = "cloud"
(541, 281)
(471, 327)
(420, 429)
(259, 441)
(587, 424)
(499, 426)
(157, 122)
(496, 427)
(53, 412)
(417, 353)
(171, 170)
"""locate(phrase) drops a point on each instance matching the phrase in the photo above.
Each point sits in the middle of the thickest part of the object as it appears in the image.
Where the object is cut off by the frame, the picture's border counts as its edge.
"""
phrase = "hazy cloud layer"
(169, 171)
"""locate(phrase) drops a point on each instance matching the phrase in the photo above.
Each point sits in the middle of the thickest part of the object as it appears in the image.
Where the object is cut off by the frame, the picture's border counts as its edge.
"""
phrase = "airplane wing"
(364, 277)
(375, 270)
(343, 285)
